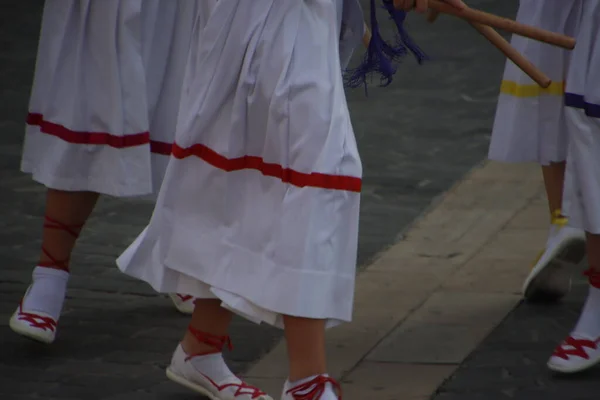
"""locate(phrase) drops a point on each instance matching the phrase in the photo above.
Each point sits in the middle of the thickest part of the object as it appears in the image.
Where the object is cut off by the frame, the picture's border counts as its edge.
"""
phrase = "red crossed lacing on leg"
(36, 321)
(218, 343)
(314, 389)
(73, 230)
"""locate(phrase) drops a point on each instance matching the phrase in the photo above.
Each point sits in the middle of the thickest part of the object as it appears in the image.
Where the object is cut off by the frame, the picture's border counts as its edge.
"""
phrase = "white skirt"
(582, 185)
(529, 124)
(260, 202)
(106, 94)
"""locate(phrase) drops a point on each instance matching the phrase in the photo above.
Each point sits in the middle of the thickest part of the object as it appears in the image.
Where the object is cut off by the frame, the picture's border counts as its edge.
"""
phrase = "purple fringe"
(381, 57)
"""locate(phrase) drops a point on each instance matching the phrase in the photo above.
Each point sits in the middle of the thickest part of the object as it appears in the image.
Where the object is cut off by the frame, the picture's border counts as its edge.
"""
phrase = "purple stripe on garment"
(578, 101)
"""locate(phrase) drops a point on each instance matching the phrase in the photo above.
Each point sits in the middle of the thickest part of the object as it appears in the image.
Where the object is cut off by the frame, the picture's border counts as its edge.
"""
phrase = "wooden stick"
(506, 24)
(505, 47)
(520, 61)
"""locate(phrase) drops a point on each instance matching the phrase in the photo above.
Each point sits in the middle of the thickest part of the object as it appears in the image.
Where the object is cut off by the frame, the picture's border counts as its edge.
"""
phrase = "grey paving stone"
(511, 362)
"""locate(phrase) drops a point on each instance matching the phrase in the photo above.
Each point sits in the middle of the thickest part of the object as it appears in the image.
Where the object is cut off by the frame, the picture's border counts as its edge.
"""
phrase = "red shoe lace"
(74, 230)
(593, 277)
(184, 297)
(578, 347)
(214, 341)
(218, 343)
(242, 388)
(36, 321)
(314, 388)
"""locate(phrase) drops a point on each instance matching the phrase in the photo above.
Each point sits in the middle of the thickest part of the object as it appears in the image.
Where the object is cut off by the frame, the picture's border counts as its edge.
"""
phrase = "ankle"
(193, 347)
(301, 376)
(198, 343)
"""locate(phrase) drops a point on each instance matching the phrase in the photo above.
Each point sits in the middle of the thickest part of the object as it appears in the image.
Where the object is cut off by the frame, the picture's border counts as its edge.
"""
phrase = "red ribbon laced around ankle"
(314, 388)
(593, 277)
(73, 230)
(214, 341)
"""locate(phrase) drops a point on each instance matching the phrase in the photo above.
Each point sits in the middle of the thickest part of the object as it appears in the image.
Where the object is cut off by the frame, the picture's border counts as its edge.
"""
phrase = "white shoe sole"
(26, 331)
(175, 377)
(572, 370)
(190, 385)
(550, 281)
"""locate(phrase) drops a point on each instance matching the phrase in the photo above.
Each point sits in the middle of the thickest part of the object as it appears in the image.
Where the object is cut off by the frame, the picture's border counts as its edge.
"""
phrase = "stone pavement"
(417, 137)
(426, 305)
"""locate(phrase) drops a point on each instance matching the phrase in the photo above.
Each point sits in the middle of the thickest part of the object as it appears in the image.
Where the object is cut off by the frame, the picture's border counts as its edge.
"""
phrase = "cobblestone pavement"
(511, 362)
(417, 138)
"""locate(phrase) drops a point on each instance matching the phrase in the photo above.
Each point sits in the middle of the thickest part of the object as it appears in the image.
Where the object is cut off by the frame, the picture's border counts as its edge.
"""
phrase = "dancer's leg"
(39, 311)
(307, 361)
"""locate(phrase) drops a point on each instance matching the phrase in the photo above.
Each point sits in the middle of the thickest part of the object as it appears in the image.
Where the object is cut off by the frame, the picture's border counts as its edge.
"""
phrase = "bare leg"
(593, 251)
(37, 315)
(554, 177)
(306, 347)
(71, 209)
(307, 361)
(210, 318)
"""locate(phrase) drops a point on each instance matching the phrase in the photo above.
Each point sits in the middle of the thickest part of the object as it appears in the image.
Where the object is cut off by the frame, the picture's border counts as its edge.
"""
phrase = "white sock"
(213, 366)
(588, 326)
(328, 394)
(551, 234)
(47, 292)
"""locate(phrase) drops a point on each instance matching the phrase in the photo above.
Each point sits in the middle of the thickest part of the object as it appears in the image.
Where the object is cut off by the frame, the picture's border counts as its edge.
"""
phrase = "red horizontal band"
(287, 175)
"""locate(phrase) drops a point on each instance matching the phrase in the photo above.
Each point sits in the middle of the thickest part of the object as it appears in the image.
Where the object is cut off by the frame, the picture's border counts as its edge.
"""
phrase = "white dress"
(260, 202)
(529, 124)
(582, 98)
(105, 95)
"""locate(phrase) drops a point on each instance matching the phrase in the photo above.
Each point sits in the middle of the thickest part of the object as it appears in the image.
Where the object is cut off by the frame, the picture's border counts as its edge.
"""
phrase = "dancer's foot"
(37, 315)
(183, 303)
(581, 350)
(319, 387)
(550, 277)
(208, 374)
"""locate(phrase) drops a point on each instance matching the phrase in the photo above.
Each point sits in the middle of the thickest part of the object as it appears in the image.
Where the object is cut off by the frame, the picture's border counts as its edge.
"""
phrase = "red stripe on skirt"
(287, 175)
(98, 138)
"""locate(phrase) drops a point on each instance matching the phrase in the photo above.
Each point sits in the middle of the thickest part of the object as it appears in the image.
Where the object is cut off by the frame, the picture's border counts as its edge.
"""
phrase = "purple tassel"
(381, 57)
(404, 40)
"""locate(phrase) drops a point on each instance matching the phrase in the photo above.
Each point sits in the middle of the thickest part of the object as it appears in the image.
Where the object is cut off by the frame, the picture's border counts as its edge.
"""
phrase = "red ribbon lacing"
(73, 230)
(314, 389)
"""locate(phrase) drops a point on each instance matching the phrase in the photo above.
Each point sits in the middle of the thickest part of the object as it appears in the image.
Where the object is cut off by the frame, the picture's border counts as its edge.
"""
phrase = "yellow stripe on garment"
(514, 89)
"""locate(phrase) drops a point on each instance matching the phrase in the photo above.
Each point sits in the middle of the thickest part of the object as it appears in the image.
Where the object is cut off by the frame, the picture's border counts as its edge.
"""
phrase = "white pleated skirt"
(260, 203)
(529, 124)
(582, 185)
(106, 94)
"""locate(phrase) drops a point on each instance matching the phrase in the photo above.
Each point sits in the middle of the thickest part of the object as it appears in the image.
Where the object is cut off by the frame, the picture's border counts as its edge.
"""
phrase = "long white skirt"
(260, 202)
(583, 116)
(529, 124)
(106, 94)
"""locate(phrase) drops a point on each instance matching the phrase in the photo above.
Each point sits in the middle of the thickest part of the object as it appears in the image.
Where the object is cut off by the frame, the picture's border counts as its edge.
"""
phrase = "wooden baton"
(505, 47)
(520, 61)
(505, 24)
